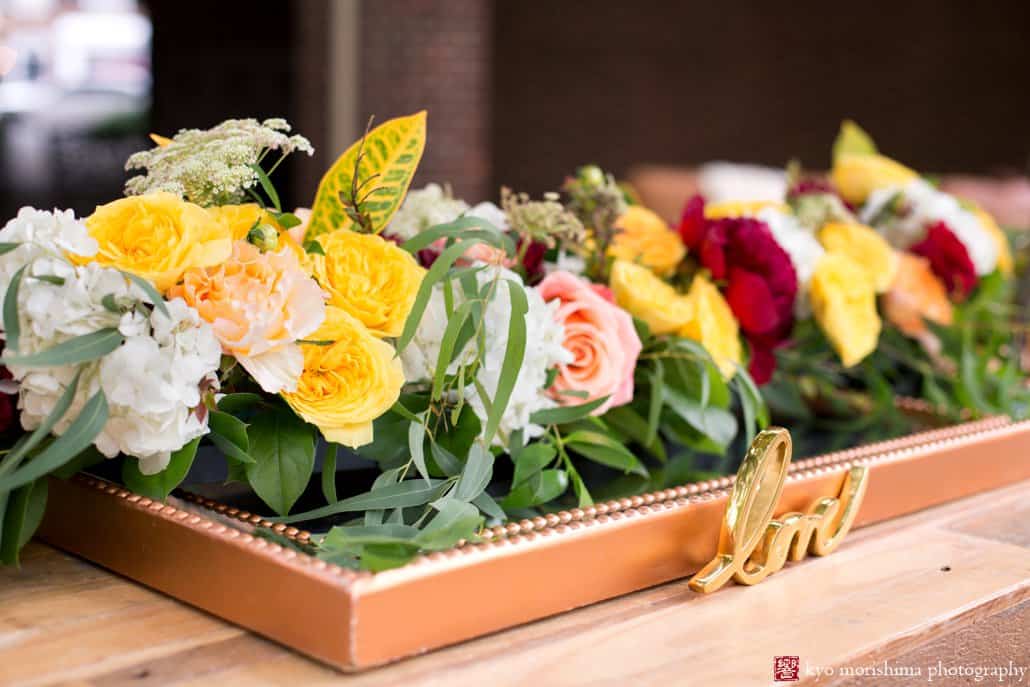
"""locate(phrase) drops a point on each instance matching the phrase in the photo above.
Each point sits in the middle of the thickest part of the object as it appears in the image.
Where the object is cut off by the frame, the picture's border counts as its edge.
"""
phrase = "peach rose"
(259, 305)
(601, 338)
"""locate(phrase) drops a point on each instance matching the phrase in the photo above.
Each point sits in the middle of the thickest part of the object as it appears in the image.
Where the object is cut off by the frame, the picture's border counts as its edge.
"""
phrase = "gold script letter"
(752, 545)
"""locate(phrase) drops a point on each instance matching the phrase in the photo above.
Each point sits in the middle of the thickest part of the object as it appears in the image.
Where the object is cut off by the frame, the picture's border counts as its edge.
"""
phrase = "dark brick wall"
(941, 85)
(434, 55)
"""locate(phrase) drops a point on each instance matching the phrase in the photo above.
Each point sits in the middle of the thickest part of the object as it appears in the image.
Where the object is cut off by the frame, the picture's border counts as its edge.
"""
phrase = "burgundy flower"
(533, 260)
(812, 186)
(759, 280)
(949, 259)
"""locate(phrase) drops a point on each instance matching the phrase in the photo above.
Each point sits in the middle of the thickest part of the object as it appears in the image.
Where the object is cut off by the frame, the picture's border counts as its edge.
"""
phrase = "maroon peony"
(759, 279)
(533, 260)
(8, 409)
(949, 259)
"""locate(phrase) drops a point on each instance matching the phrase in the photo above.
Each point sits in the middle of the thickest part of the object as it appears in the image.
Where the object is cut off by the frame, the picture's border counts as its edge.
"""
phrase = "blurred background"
(519, 93)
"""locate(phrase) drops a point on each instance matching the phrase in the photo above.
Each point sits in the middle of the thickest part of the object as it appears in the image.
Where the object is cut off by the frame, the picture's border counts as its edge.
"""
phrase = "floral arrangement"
(493, 361)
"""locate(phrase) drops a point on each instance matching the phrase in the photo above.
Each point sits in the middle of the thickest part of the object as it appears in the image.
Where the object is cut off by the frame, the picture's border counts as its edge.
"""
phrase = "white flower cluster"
(544, 350)
(923, 205)
(426, 207)
(801, 246)
(152, 382)
(212, 166)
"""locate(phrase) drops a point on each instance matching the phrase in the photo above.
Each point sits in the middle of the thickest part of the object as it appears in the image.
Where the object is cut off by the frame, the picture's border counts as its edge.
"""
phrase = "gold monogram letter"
(752, 545)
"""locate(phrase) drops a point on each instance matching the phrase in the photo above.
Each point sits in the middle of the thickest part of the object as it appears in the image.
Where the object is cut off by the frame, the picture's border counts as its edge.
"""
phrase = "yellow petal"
(644, 237)
(713, 325)
(867, 248)
(741, 208)
(351, 436)
(844, 305)
(161, 141)
(645, 296)
(856, 176)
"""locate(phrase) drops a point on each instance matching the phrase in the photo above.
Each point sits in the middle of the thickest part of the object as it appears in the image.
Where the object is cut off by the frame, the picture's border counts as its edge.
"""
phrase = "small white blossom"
(212, 166)
(921, 206)
(39, 234)
(424, 208)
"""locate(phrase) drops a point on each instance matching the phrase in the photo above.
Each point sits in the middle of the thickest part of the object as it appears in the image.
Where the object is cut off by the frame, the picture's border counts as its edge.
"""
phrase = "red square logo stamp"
(786, 668)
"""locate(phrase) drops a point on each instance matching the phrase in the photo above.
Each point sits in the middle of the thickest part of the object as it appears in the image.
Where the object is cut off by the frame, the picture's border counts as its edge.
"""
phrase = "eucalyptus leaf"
(12, 325)
(454, 521)
(20, 519)
(514, 355)
(540, 488)
(81, 349)
(565, 414)
(479, 468)
(402, 495)
(416, 445)
(605, 450)
(79, 435)
(531, 460)
(152, 293)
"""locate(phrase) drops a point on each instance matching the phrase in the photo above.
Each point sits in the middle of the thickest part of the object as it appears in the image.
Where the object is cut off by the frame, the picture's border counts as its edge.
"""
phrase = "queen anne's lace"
(212, 166)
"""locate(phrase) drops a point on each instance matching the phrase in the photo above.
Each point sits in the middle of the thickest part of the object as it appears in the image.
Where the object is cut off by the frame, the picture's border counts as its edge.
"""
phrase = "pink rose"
(601, 338)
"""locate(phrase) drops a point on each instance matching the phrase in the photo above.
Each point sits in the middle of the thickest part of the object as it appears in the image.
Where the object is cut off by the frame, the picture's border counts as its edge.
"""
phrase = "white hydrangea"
(426, 207)
(544, 350)
(40, 234)
(152, 382)
(925, 205)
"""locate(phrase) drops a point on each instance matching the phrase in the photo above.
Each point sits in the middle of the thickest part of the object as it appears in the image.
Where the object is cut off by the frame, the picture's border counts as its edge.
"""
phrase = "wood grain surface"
(950, 584)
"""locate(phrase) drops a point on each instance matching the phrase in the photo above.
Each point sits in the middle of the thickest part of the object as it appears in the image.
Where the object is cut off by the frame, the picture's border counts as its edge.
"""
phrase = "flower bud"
(591, 176)
(264, 236)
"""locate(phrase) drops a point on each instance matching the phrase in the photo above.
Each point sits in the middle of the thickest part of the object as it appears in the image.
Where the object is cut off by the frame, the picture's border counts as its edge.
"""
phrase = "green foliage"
(160, 485)
(283, 448)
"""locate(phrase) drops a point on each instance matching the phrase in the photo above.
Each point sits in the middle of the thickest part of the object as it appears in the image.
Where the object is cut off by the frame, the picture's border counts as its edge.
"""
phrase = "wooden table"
(951, 584)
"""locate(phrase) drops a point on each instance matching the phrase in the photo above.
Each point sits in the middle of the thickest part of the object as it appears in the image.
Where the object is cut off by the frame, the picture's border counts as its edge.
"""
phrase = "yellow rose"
(1005, 264)
(157, 236)
(346, 384)
(644, 237)
(371, 278)
(645, 296)
(240, 218)
(713, 325)
(869, 250)
(741, 208)
(856, 176)
(844, 305)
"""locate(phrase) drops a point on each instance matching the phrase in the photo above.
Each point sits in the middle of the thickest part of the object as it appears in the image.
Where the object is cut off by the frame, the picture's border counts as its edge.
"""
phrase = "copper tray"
(205, 554)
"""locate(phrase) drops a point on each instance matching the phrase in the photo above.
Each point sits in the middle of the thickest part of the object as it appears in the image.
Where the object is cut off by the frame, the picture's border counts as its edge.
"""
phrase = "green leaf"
(583, 497)
(479, 468)
(379, 557)
(23, 448)
(628, 422)
(460, 436)
(540, 488)
(85, 460)
(313, 247)
(81, 349)
(236, 403)
(283, 448)
(656, 400)
(447, 346)
(514, 355)
(25, 509)
(160, 485)
(470, 230)
(266, 185)
(287, 220)
(401, 495)
(351, 535)
(434, 275)
(531, 460)
(151, 292)
(329, 473)
(565, 414)
(79, 435)
(230, 427)
(486, 504)
(12, 326)
(49, 279)
(456, 520)
(7, 246)
(715, 423)
(852, 140)
(445, 460)
(416, 445)
(385, 479)
(605, 450)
